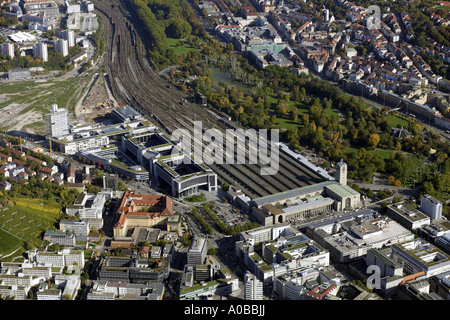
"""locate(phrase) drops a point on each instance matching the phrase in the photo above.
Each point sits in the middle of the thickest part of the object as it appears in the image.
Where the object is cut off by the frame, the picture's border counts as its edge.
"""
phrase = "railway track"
(133, 82)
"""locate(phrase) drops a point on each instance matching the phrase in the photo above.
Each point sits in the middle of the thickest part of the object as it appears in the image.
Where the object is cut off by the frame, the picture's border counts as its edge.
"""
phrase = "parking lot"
(231, 216)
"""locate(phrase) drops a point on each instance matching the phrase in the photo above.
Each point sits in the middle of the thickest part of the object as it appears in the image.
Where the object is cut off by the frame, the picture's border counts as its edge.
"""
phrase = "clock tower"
(341, 172)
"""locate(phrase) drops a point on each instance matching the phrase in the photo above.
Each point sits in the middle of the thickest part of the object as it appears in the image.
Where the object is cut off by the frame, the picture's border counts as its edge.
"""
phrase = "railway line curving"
(135, 83)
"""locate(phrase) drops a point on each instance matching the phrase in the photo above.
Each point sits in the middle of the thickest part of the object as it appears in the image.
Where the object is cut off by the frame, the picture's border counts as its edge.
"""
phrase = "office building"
(417, 290)
(68, 284)
(111, 181)
(408, 216)
(167, 163)
(78, 227)
(420, 256)
(283, 248)
(57, 121)
(351, 236)
(133, 269)
(443, 242)
(61, 237)
(441, 285)
(253, 287)
(49, 294)
(431, 206)
(106, 290)
(223, 284)
(50, 7)
(88, 206)
(12, 291)
(66, 257)
(197, 251)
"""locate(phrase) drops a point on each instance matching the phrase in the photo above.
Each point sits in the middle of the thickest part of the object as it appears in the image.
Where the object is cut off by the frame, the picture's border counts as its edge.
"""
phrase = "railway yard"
(133, 82)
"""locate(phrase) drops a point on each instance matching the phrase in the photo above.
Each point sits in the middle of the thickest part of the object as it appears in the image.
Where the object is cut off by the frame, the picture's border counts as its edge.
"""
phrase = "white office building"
(418, 255)
(64, 258)
(57, 121)
(69, 284)
(49, 294)
(253, 287)
(88, 206)
(78, 227)
(197, 251)
(431, 206)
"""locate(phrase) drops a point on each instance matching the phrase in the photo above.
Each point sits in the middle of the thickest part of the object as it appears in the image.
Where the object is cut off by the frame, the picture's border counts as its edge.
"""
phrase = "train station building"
(305, 202)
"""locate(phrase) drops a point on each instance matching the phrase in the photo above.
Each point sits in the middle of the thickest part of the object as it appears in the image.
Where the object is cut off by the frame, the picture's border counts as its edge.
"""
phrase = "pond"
(219, 74)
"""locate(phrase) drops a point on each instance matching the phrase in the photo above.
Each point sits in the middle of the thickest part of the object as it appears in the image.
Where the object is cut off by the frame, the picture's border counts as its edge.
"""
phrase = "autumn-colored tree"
(281, 109)
(294, 113)
(416, 128)
(305, 119)
(374, 139)
(391, 180)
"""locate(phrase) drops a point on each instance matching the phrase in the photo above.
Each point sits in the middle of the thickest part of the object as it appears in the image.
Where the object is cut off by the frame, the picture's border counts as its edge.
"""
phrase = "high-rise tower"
(57, 122)
(341, 172)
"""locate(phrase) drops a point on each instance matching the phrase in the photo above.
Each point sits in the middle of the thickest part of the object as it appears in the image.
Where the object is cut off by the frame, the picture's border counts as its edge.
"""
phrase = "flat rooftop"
(407, 211)
(294, 193)
(347, 241)
(425, 252)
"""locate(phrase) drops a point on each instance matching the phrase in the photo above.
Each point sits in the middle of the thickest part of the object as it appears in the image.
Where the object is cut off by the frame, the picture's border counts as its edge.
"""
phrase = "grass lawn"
(300, 106)
(178, 46)
(196, 198)
(385, 154)
(287, 123)
(395, 120)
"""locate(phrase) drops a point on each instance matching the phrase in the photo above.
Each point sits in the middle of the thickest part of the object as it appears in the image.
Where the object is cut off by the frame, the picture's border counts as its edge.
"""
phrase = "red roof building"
(146, 211)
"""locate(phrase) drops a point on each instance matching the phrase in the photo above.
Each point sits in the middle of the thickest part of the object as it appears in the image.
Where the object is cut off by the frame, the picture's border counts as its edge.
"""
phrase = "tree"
(396, 199)
(391, 180)
(178, 28)
(294, 113)
(280, 109)
(373, 140)
(416, 128)
(305, 119)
